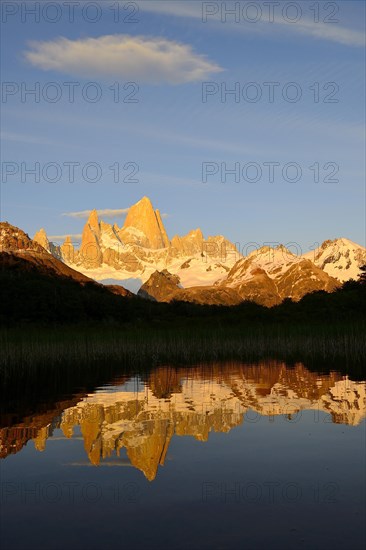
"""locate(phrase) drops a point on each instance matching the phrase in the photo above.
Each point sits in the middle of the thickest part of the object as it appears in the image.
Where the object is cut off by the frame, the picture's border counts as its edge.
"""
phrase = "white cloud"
(333, 32)
(73, 236)
(106, 213)
(139, 58)
(24, 138)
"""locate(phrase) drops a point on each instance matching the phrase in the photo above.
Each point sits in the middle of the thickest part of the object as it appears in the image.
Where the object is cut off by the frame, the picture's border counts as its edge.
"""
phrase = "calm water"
(215, 457)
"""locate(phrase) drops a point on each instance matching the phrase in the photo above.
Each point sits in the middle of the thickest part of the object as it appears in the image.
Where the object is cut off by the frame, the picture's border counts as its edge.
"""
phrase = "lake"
(216, 456)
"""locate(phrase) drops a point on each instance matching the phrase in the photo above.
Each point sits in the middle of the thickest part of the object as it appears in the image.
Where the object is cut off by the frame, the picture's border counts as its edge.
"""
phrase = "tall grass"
(24, 350)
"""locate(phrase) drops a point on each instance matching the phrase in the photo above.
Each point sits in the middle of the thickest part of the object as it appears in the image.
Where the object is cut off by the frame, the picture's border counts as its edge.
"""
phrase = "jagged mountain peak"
(340, 241)
(41, 238)
(93, 221)
(144, 200)
(275, 274)
(279, 250)
(42, 232)
(274, 260)
(142, 206)
(196, 233)
(144, 226)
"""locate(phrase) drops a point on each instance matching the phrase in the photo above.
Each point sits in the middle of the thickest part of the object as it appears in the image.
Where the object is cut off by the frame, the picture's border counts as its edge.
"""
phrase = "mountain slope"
(340, 258)
(35, 286)
(15, 245)
(269, 275)
(162, 286)
(266, 276)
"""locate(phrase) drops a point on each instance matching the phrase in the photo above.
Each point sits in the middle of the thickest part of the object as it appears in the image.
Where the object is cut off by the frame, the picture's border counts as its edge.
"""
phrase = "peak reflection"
(141, 415)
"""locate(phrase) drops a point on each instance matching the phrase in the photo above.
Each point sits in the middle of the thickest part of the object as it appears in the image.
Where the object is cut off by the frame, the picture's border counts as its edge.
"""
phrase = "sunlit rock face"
(190, 244)
(143, 226)
(141, 246)
(266, 277)
(269, 275)
(41, 238)
(90, 248)
(13, 239)
(188, 402)
(252, 283)
(162, 287)
(67, 250)
(195, 243)
(340, 258)
(303, 278)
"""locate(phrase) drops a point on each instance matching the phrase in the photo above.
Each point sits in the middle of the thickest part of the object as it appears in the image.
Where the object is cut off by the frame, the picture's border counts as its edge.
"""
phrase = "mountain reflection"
(142, 415)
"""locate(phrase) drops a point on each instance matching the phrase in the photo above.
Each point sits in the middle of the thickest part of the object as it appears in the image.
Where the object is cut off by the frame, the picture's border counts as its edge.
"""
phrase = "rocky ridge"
(266, 276)
(208, 270)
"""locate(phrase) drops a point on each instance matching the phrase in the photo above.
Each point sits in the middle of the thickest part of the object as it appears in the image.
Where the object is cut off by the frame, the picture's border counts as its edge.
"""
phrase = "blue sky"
(170, 133)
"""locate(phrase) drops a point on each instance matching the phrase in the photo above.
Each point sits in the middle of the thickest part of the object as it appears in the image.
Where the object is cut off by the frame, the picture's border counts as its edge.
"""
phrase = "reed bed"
(23, 352)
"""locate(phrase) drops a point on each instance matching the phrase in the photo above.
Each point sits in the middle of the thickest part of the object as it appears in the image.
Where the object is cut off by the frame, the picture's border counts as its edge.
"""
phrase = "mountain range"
(190, 268)
(140, 255)
(141, 247)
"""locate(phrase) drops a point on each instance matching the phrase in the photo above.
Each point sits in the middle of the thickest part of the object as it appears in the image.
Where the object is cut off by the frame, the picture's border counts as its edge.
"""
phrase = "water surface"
(214, 456)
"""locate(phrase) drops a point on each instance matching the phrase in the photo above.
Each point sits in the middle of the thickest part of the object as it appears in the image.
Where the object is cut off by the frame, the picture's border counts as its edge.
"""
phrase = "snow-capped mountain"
(340, 258)
(266, 276)
(269, 275)
(141, 247)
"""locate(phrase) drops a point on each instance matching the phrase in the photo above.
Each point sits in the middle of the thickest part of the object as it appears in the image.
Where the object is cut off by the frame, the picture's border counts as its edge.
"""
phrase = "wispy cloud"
(106, 213)
(75, 236)
(151, 60)
(333, 32)
(26, 138)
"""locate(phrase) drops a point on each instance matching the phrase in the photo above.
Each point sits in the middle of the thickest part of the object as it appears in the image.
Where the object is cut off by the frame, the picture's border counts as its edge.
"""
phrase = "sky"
(247, 124)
